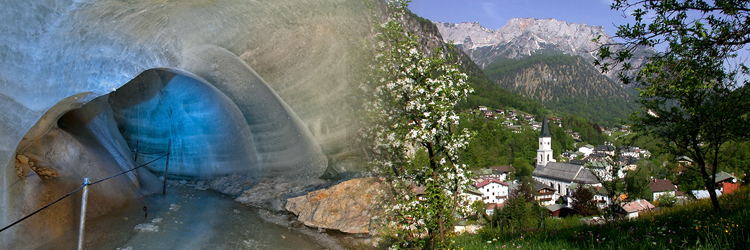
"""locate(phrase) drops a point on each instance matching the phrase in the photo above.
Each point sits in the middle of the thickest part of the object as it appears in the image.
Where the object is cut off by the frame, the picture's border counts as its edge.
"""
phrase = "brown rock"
(23, 159)
(343, 207)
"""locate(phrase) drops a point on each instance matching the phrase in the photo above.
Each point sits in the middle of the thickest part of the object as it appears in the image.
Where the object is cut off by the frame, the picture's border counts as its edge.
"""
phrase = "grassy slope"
(693, 226)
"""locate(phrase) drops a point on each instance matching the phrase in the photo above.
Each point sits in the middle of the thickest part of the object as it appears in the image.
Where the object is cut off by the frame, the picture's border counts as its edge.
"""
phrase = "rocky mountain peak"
(521, 37)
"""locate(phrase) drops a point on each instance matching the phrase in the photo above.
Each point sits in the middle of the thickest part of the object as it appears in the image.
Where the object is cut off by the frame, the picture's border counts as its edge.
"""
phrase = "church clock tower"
(544, 154)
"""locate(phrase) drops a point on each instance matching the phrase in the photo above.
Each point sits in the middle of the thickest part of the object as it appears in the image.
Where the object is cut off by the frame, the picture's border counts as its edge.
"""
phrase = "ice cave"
(89, 89)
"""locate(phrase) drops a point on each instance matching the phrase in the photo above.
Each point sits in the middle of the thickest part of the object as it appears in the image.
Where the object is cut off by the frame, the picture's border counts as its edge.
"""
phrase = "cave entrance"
(208, 133)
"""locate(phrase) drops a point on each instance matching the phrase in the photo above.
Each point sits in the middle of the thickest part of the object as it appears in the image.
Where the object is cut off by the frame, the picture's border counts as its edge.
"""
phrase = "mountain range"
(522, 37)
(549, 61)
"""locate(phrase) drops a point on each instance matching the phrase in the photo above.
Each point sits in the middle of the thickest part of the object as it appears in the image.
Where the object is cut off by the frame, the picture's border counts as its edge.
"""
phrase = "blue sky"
(494, 14)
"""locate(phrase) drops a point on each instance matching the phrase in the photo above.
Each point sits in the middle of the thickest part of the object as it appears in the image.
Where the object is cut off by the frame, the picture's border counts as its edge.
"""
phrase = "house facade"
(726, 182)
(471, 194)
(586, 150)
(661, 187)
(493, 191)
(545, 194)
(608, 148)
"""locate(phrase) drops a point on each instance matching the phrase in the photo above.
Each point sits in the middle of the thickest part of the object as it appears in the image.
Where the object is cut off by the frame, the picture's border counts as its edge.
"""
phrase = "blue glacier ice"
(205, 133)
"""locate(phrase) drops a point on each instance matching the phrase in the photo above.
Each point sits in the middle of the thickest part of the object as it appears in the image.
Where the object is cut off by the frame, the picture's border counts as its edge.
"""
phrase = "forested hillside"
(566, 84)
(486, 92)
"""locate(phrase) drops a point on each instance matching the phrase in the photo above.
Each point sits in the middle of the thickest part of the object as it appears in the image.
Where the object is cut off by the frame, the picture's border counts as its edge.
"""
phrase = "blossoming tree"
(416, 142)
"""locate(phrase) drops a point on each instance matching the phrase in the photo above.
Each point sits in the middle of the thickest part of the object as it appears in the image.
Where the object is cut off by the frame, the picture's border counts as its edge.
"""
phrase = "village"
(556, 181)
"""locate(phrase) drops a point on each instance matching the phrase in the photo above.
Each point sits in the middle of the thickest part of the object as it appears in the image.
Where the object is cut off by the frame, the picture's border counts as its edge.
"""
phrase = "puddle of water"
(197, 220)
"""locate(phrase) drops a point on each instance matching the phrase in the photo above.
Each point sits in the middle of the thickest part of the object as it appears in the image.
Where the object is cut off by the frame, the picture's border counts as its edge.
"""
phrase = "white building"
(493, 191)
(544, 154)
(471, 195)
(586, 150)
(661, 187)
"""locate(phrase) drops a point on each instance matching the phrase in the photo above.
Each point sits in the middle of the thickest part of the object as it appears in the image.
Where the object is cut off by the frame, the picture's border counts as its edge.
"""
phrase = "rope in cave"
(78, 189)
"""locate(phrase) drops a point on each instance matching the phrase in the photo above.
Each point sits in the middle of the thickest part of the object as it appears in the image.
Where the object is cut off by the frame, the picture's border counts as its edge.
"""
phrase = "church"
(558, 175)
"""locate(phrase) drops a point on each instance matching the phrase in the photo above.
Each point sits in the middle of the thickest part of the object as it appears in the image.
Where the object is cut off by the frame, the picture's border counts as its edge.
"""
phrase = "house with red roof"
(634, 208)
(726, 182)
(493, 191)
(490, 208)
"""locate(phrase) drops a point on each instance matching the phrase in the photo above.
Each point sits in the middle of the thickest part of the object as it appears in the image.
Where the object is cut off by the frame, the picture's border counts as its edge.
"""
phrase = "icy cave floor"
(189, 218)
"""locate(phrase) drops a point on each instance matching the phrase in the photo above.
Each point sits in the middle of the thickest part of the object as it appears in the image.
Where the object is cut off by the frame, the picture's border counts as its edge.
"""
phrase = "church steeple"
(545, 128)
(544, 154)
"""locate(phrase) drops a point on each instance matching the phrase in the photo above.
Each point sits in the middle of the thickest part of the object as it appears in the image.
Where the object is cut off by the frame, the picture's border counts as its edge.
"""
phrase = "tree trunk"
(710, 186)
(440, 239)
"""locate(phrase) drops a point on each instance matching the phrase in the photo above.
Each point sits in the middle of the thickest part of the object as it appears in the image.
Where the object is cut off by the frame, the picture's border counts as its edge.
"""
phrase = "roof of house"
(703, 194)
(545, 129)
(637, 206)
(419, 190)
(503, 169)
(577, 162)
(605, 148)
(683, 158)
(723, 176)
(494, 205)
(597, 164)
(488, 181)
(555, 207)
(472, 190)
(598, 155)
(540, 186)
(661, 185)
(483, 171)
(566, 172)
(629, 159)
(603, 191)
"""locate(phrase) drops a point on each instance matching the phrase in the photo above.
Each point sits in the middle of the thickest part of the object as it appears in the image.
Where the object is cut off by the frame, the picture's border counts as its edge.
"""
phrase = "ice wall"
(205, 133)
(56, 56)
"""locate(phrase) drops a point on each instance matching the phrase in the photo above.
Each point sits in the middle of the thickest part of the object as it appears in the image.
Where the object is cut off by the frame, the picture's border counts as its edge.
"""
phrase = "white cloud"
(490, 10)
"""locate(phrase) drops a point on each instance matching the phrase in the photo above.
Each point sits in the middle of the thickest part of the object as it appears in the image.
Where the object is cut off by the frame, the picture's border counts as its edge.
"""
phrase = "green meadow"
(691, 226)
